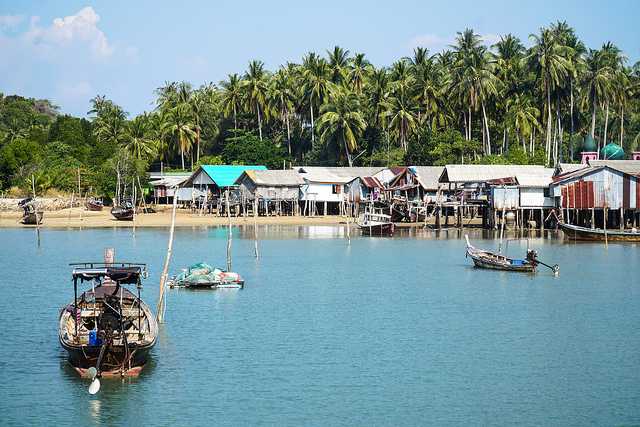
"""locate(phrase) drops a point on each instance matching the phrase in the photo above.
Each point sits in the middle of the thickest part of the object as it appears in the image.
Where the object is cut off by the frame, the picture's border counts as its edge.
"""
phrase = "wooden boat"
(201, 275)
(124, 212)
(31, 215)
(574, 232)
(495, 261)
(94, 204)
(107, 330)
(375, 223)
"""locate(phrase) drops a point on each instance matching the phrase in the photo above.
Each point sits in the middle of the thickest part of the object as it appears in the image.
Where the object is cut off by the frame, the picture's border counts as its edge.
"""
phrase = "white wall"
(323, 192)
(534, 198)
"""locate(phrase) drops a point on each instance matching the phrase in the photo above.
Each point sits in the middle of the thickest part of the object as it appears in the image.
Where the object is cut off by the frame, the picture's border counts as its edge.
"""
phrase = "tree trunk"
(621, 124)
(469, 137)
(572, 122)
(486, 124)
(549, 121)
(259, 121)
(288, 133)
(593, 120)
(606, 123)
(346, 150)
(313, 138)
(182, 156)
(197, 145)
(235, 118)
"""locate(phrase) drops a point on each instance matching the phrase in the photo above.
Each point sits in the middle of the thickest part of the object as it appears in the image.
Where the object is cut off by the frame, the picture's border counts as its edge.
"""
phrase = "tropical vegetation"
(515, 101)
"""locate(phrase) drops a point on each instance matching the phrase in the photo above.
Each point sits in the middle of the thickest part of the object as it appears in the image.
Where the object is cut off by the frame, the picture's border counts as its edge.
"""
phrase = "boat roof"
(126, 273)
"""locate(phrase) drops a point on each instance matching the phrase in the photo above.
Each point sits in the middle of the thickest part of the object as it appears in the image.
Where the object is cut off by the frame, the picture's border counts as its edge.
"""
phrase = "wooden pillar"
(325, 208)
(621, 218)
(541, 219)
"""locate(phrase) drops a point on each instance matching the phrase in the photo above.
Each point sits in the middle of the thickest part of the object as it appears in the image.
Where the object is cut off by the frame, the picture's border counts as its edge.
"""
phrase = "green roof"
(611, 151)
(226, 175)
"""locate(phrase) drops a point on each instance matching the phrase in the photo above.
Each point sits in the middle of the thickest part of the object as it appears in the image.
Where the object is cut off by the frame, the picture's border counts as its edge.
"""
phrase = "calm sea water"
(399, 331)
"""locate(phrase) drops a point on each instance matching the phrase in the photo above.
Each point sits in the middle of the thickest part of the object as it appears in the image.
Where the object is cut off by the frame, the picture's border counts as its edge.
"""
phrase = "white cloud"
(436, 43)
(9, 22)
(80, 29)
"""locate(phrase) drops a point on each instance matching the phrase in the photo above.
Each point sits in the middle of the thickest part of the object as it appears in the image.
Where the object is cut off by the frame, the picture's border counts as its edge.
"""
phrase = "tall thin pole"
(229, 232)
(35, 207)
(255, 226)
(165, 269)
(80, 196)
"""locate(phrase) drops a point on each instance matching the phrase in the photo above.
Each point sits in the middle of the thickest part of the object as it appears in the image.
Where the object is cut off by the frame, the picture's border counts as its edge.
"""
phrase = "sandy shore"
(77, 217)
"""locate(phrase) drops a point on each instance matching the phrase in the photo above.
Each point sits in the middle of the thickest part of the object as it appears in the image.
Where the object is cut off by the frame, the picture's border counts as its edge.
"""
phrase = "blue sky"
(69, 51)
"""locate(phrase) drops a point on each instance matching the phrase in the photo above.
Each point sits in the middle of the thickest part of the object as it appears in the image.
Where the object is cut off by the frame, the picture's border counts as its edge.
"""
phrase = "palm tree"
(342, 121)
(232, 97)
(255, 86)
(358, 73)
(180, 127)
(523, 116)
(548, 59)
(596, 84)
(315, 76)
(110, 125)
(140, 141)
(338, 63)
(400, 111)
(281, 97)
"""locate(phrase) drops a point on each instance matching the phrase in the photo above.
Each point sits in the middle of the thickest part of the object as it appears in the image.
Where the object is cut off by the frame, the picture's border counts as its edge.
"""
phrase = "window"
(336, 189)
(547, 192)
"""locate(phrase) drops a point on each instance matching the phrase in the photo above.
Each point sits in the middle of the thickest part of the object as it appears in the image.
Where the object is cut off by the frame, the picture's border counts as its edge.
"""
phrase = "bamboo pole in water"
(80, 196)
(229, 232)
(35, 207)
(255, 226)
(165, 269)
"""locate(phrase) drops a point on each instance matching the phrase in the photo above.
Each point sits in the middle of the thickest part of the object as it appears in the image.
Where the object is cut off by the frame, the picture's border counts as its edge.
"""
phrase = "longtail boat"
(94, 204)
(107, 330)
(124, 212)
(375, 223)
(496, 261)
(575, 232)
(31, 215)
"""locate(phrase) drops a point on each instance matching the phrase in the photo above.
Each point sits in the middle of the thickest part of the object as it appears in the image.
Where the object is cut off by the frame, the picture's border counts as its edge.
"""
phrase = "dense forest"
(470, 104)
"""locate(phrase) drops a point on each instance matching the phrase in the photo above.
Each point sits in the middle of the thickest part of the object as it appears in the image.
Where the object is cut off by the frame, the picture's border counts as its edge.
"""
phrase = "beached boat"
(202, 275)
(107, 330)
(94, 204)
(574, 232)
(375, 223)
(496, 261)
(31, 215)
(125, 212)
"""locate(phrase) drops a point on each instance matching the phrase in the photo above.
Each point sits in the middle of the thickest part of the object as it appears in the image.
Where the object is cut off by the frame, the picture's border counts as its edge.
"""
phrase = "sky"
(71, 51)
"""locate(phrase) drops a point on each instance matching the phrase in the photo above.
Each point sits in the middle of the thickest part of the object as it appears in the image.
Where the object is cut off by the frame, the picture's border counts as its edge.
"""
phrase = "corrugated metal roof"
(428, 176)
(483, 173)
(630, 167)
(563, 168)
(274, 178)
(336, 175)
(372, 182)
(224, 175)
(169, 181)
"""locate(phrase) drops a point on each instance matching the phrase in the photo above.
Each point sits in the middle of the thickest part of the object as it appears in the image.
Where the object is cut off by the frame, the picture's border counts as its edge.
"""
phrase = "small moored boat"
(575, 232)
(375, 223)
(94, 204)
(496, 261)
(125, 212)
(107, 330)
(202, 275)
(32, 214)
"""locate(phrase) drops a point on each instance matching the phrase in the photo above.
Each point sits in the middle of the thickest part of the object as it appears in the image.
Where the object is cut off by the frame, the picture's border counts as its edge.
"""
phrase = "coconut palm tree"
(255, 87)
(280, 98)
(402, 118)
(180, 128)
(341, 121)
(140, 141)
(549, 60)
(358, 73)
(110, 125)
(522, 115)
(596, 84)
(339, 61)
(232, 97)
(315, 76)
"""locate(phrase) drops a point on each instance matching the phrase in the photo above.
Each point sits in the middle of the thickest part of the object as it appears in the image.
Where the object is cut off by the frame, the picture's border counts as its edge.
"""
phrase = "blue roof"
(226, 175)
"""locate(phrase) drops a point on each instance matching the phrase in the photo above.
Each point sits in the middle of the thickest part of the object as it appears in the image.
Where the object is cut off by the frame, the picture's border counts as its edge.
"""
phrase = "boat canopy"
(127, 273)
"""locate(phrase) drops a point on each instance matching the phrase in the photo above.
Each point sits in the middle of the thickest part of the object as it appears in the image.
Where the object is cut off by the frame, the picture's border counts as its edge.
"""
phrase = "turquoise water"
(399, 331)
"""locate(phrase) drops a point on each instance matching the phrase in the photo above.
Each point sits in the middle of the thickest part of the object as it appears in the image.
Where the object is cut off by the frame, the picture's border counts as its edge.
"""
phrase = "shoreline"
(80, 218)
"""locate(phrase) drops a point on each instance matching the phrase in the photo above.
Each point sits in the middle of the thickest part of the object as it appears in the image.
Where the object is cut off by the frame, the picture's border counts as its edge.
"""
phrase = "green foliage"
(245, 148)
(210, 160)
